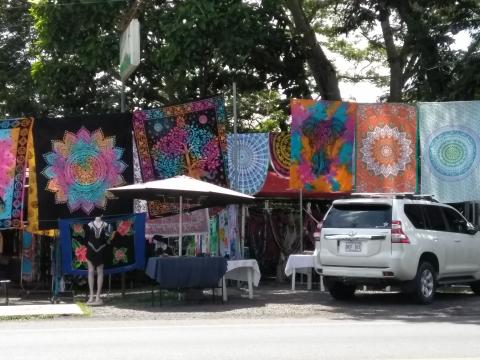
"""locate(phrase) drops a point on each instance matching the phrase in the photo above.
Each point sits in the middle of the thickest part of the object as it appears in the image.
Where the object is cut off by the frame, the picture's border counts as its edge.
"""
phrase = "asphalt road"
(314, 338)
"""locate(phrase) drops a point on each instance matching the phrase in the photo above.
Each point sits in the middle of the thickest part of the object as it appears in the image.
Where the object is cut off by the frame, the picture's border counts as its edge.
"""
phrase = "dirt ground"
(273, 300)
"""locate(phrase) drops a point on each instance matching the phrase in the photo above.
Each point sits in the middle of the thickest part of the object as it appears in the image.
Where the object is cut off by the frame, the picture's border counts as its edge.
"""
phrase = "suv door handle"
(457, 241)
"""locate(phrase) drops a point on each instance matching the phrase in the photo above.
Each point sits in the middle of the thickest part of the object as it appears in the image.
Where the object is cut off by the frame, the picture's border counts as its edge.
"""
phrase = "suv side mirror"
(471, 229)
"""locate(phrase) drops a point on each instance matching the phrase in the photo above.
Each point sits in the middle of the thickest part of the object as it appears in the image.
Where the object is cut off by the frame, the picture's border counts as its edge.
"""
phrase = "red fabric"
(278, 187)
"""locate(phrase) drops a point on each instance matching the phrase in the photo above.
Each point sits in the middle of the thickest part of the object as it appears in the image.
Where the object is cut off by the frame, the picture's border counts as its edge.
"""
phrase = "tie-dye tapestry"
(252, 162)
(187, 139)
(386, 139)
(28, 257)
(322, 145)
(450, 150)
(280, 153)
(213, 235)
(77, 159)
(13, 151)
(119, 245)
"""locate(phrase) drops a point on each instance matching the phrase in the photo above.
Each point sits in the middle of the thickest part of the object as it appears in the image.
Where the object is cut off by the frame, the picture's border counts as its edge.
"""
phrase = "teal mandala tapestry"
(450, 150)
(77, 160)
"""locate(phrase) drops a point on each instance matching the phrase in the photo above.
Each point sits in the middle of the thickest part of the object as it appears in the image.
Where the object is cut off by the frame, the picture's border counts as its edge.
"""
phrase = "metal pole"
(180, 224)
(301, 219)
(235, 139)
(242, 233)
(122, 97)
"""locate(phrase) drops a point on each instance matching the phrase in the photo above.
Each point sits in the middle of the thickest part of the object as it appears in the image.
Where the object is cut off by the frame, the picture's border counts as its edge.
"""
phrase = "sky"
(365, 92)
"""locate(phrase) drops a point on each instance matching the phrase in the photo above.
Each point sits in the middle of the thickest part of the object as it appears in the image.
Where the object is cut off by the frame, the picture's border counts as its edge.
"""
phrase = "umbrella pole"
(180, 227)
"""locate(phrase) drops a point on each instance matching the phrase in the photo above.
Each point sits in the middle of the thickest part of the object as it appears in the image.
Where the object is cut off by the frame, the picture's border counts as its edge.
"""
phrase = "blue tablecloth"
(186, 272)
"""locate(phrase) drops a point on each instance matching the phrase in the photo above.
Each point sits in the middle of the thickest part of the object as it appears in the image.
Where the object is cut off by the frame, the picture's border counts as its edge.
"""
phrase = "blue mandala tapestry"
(249, 173)
(450, 150)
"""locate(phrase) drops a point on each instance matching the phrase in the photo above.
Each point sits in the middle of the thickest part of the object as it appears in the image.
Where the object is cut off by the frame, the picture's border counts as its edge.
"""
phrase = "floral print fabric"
(125, 248)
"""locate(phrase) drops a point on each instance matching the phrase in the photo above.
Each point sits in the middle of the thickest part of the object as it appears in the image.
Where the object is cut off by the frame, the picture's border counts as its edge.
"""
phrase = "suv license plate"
(353, 246)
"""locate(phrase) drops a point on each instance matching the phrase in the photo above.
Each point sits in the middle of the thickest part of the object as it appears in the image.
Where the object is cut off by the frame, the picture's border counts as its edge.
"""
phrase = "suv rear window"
(360, 216)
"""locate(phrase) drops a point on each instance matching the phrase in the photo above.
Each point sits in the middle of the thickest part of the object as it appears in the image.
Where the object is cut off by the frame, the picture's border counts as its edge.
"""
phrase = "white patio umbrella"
(181, 189)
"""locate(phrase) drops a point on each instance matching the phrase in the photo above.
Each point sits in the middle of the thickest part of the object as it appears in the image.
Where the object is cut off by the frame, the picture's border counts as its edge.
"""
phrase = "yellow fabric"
(32, 214)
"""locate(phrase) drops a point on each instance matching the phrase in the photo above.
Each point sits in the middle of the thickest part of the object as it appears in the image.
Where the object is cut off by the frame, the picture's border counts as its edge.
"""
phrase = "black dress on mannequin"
(97, 236)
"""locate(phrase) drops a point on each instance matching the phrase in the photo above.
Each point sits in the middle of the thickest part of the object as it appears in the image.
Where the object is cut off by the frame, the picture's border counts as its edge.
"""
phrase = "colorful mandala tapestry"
(322, 145)
(187, 139)
(386, 139)
(252, 155)
(124, 249)
(77, 160)
(280, 153)
(450, 148)
(13, 160)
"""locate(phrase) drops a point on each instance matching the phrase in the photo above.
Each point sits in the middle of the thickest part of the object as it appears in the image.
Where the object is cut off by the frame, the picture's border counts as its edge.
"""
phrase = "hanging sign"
(130, 49)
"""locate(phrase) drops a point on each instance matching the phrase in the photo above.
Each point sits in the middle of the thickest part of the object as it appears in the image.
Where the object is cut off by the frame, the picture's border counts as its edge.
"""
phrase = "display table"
(303, 264)
(242, 270)
(184, 272)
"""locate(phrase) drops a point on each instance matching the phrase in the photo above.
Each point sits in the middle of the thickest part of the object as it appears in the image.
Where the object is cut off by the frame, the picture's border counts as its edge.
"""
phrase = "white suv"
(399, 239)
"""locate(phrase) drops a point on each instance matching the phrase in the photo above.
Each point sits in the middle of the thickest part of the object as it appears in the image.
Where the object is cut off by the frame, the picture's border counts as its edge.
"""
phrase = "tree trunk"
(322, 69)
(393, 57)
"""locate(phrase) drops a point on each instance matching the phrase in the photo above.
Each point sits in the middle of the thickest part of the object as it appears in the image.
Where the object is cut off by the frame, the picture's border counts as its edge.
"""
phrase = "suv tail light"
(316, 234)
(398, 236)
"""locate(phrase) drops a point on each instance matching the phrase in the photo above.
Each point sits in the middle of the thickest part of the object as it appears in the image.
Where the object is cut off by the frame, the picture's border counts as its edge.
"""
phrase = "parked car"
(404, 240)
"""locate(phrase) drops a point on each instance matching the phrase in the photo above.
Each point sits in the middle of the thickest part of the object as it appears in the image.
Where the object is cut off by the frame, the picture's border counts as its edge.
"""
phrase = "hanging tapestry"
(386, 138)
(77, 159)
(32, 198)
(187, 139)
(252, 158)
(28, 257)
(194, 222)
(322, 145)
(13, 162)
(202, 246)
(450, 150)
(213, 235)
(280, 153)
(223, 246)
(122, 248)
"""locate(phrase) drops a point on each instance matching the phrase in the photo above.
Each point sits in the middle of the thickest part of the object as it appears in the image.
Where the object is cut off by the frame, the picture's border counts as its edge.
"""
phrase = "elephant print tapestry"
(13, 160)
(386, 139)
(450, 150)
(322, 139)
(77, 159)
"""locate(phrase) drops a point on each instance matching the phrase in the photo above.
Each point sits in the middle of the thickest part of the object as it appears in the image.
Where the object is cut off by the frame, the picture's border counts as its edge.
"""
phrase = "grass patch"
(87, 311)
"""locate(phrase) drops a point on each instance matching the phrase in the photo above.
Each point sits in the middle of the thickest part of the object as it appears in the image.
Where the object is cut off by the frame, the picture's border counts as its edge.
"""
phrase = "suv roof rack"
(404, 195)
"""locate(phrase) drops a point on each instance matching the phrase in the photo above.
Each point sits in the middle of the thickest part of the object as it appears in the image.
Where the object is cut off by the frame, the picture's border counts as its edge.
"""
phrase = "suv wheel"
(340, 291)
(425, 283)
(475, 286)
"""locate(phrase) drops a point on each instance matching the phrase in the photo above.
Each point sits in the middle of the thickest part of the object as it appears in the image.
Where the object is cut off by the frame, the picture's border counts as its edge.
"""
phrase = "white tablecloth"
(242, 270)
(303, 264)
(300, 262)
(238, 270)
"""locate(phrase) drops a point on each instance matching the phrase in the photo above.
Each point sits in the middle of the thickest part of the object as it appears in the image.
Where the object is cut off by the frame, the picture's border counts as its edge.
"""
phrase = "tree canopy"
(61, 56)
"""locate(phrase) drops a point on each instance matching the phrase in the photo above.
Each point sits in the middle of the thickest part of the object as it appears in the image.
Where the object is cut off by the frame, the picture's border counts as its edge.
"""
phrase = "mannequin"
(97, 239)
